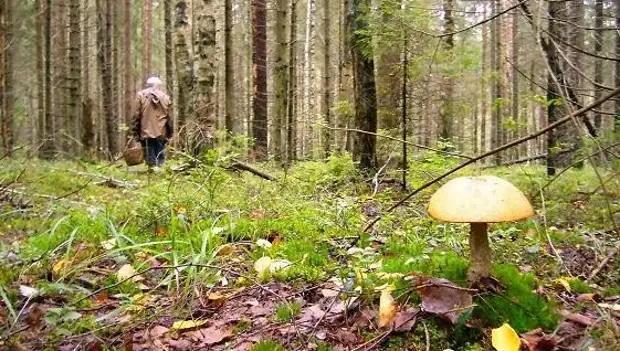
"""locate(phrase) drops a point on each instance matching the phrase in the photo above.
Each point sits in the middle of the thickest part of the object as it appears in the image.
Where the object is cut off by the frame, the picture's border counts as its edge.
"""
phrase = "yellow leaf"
(126, 272)
(505, 338)
(61, 265)
(261, 266)
(183, 325)
(564, 282)
(387, 308)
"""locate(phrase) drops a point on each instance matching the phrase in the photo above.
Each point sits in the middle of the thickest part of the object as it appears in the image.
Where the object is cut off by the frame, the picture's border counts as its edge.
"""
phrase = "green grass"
(287, 311)
(315, 210)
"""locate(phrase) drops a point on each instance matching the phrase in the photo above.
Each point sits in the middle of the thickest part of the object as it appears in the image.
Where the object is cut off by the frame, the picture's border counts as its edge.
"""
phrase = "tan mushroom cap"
(484, 199)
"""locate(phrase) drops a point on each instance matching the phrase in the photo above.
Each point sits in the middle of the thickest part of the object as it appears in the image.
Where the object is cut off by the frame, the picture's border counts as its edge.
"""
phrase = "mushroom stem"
(480, 253)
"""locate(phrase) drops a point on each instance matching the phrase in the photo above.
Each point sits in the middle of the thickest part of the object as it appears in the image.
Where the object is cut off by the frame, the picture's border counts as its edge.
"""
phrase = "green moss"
(268, 346)
(286, 312)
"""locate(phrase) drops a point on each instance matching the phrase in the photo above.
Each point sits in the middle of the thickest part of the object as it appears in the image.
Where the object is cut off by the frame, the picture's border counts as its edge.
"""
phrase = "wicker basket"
(134, 156)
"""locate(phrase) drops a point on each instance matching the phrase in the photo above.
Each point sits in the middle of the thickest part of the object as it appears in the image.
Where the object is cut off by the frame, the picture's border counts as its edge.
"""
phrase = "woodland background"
(299, 77)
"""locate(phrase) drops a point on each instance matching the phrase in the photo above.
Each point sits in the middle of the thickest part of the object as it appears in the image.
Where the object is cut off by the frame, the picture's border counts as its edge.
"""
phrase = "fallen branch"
(400, 141)
(540, 132)
(242, 166)
(604, 263)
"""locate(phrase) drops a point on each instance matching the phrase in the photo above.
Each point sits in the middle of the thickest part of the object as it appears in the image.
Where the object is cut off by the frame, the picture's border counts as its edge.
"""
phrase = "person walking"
(151, 123)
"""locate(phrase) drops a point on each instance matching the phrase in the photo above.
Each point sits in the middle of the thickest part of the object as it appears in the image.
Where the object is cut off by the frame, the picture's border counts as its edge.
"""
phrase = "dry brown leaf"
(444, 299)
(537, 340)
(256, 214)
(387, 308)
(210, 336)
(405, 320)
(225, 250)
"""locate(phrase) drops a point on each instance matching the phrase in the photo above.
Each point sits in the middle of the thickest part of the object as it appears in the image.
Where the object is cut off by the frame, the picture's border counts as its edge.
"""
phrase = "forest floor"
(101, 257)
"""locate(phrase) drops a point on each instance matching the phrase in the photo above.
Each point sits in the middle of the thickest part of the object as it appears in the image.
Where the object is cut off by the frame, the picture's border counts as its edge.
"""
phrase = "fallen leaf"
(157, 332)
(505, 338)
(261, 266)
(185, 325)
(161, 230)
(101, 298)
(614, 307)
(28, 292)
(441, 297)
(311, 314)
(537, 340)
(405, 320)
(564, 282)
(216, 300)
(127, 271)
(109, 244)
(263, 243)
(256, 214)
(588, 297)
(61, 265)
(330, 292)
(210, 336)
(225, 250)
(278, 265)
(577, 317)
(387, 307)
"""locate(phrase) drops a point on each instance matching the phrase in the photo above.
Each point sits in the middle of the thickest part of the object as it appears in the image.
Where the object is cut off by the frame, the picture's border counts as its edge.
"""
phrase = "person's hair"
(153, 81)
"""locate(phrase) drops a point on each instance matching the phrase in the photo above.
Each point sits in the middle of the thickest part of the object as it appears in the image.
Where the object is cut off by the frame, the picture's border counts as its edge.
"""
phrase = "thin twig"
(427, 337)
(604, 263)
(540, 132)
(399, 140)
(374, 341)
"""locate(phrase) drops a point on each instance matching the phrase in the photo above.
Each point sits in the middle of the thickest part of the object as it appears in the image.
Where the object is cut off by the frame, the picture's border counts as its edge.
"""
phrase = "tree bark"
(514, 83)
(291, 118)
(259, 63)
(364, 150)
(169, 56)
(447, 84)
(48, 147)
(308, 81)
(8, 94)
(553, 93)
(404, 102)
(104, 39)
(127, 66)
(280, 79)
(598, 64)
(617, 72)
(229, 75)
(496, 105)
(483, 86)
(39, 20)
(327, 83)
(147, 31)
(75, 65)
(183, 63)
(205, 51)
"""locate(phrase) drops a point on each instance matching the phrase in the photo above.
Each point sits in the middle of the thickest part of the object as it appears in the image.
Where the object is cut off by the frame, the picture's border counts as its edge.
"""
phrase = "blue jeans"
(155, 151)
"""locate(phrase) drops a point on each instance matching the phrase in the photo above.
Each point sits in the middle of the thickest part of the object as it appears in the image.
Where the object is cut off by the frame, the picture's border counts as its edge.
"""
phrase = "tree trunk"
(8, 95)
(496, 105)
(514, 82)
(364, 150)
(280, 79)
(39, 20)
(259, 63)
(229, 75)
(205, 52)
(104, 39)
(404, 96)
(169, 56)
(75, 65)
(291, 120)
(484, 81)
(49, 144)
(553, 93)
(598, 64)
(617, 72)
(183, 63)
(447, 84)
(88, 125)
(327, 84)
(128, 67)
(306, 127)
(147, 32)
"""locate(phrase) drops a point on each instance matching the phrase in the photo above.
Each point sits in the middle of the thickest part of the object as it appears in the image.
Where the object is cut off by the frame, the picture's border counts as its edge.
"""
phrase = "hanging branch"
(540, 132)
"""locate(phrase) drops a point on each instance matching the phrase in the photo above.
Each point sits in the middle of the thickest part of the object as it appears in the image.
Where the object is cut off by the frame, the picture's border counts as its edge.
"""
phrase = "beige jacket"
(151, 116)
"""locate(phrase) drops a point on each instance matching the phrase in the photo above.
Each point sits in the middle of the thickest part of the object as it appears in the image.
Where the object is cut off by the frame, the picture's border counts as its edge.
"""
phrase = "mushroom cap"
(484, 199)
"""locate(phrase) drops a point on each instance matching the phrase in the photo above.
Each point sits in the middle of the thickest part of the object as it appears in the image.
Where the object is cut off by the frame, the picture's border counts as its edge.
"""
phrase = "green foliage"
(287, 311)
(268, 346)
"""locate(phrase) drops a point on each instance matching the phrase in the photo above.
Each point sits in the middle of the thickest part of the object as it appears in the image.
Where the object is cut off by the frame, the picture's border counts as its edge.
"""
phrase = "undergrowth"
(309, 218)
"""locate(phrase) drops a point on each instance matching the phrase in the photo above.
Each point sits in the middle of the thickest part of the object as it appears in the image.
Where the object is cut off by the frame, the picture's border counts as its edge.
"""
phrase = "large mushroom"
(478, 201)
